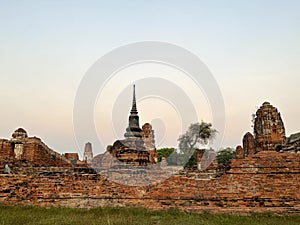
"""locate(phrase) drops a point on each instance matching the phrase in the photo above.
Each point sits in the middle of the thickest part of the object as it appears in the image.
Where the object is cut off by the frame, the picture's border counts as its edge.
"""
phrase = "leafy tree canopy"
(224, 156)
(164, 152)
(197, 135)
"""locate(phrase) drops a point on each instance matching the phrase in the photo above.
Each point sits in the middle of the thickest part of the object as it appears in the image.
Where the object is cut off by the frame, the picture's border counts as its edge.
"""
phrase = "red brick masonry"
(267, 182)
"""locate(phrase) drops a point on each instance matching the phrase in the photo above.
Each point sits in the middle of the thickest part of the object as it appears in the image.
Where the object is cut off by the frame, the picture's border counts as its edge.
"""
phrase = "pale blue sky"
(251, 47)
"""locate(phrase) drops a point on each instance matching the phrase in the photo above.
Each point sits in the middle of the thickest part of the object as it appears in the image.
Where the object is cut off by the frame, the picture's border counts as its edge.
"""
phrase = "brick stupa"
(269, 133)
(132, 149)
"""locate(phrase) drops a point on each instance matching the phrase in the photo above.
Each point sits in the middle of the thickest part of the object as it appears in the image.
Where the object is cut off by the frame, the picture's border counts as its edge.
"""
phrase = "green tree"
(225, 156)
(164, 152)
(197, 135)
(192, 162)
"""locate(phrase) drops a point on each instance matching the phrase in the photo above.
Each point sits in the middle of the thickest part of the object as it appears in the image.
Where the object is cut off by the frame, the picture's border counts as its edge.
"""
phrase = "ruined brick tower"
(148, 136)
(248, 144)
(88, 153)
(149, 141)
(269, 132)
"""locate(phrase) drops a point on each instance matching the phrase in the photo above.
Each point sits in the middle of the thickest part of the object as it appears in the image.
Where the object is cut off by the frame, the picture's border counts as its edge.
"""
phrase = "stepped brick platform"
(266, 182)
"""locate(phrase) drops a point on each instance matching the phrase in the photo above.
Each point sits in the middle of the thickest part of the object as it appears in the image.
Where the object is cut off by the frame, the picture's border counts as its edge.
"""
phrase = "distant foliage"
(197, 135)
(192, 162)
(164, 152)
(225, 156)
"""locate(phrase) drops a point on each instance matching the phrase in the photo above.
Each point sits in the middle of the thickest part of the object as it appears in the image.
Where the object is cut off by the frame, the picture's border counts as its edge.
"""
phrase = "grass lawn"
(15, 215)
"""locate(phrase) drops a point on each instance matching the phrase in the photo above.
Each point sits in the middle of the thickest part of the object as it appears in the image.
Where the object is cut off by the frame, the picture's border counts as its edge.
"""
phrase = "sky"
(252, 48)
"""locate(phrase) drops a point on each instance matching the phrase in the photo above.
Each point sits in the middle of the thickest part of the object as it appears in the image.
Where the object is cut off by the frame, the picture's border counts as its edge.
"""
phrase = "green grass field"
(15, 215)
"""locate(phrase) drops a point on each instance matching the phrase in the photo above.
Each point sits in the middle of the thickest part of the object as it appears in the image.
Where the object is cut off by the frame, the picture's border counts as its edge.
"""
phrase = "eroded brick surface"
(260, 179)
(269, 181)
(269, 130)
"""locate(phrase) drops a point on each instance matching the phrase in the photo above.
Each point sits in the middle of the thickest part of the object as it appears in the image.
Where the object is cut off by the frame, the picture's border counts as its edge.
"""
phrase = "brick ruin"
(269, 134)
(88, 153)
(205, 168)
(149, 142)
(269, 130)
(292, 144)
(138, 147)
(25, 151)
(264, 177)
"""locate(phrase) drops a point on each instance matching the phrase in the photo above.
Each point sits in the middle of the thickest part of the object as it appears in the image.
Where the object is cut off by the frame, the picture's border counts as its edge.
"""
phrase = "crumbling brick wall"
(6, 150)
(268, 181)
(34, 153)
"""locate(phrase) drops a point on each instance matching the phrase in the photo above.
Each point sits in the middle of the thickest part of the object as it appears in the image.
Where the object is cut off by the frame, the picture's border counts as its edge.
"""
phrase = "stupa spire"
(134, 109)
(133, 129)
